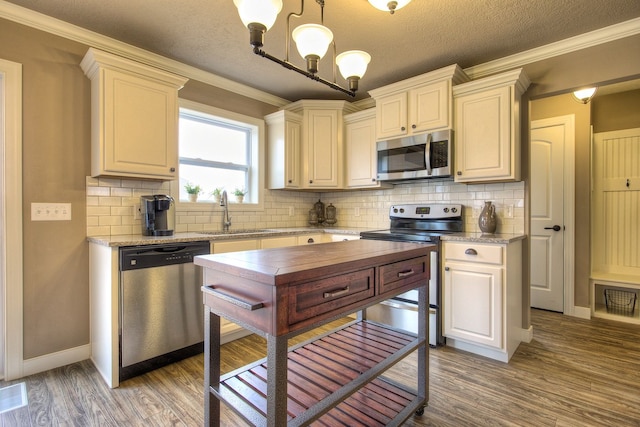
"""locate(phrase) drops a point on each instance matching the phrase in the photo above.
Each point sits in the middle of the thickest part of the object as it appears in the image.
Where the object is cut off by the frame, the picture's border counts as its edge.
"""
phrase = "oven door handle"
(427, 154)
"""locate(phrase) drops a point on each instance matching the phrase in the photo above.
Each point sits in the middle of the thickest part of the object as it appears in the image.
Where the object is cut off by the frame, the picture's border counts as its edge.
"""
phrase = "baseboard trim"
(55, 360)
(527, 334)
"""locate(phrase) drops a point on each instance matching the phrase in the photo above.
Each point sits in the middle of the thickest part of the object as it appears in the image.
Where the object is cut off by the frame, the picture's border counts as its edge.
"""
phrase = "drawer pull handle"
(406, 273)
(336, 293)
(251, 306)
(471, 252)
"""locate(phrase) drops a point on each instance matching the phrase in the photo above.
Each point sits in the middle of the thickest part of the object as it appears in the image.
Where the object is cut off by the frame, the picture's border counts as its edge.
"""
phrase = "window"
(219, 150)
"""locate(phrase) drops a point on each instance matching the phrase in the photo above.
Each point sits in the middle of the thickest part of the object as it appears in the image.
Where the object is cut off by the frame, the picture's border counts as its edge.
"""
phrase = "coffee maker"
(157, 215)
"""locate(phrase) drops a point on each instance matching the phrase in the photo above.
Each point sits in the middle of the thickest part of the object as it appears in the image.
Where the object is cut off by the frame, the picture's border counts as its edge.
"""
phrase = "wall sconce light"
(389, 5)
(584, 95)
(312, 41)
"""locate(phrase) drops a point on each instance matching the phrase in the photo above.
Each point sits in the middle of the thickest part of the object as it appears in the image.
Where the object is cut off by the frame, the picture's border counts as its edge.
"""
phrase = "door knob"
(554, 228)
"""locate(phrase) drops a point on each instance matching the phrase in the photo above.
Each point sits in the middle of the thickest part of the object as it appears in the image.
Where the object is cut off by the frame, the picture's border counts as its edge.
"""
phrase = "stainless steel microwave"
(428, 155)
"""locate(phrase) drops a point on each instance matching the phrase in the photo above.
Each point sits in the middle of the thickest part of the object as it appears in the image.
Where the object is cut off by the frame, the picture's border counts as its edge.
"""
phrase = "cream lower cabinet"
(229, 331)
(482, 297)
(487, 128)
(134, 118)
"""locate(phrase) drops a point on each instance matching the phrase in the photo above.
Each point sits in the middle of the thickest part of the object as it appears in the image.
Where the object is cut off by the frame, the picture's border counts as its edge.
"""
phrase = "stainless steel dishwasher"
(161, 310)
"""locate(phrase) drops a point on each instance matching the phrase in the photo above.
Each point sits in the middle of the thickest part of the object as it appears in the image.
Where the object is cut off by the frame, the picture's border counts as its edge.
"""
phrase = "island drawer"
(473, 252)
(328, 294)
(399, 274)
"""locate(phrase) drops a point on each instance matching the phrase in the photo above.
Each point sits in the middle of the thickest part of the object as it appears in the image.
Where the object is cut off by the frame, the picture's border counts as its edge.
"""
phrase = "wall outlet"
(356, 212)
(290, 210)
(50, 211)
(508, 211)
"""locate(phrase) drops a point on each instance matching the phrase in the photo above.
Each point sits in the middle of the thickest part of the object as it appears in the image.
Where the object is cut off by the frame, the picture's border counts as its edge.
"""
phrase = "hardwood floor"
(574, 373)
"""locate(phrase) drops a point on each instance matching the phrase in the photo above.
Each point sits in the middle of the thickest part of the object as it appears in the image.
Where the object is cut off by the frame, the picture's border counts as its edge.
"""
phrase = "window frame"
(257, 156)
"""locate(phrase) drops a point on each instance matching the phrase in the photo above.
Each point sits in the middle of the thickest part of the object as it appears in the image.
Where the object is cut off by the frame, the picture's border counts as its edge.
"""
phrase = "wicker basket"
(620, 302)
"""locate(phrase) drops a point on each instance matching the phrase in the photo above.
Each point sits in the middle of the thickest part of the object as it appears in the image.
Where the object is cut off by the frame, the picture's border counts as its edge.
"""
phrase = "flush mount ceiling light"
(389, 5)
(312, 41)
(584, 95)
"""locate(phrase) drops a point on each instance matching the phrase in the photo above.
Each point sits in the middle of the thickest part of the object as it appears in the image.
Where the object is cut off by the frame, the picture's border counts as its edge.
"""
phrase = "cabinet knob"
(310, 240)
(446, 269)
(310, 181)
(471, 251)
(403, 128)
(373, 180)
(459, 173)
(172, 169)
(413, 126)
(290, 181)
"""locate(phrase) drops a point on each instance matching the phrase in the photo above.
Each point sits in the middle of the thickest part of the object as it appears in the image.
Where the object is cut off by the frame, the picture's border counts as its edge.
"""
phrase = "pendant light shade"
(353, 63)
(312, 39)
(258, 11)
(389, 5)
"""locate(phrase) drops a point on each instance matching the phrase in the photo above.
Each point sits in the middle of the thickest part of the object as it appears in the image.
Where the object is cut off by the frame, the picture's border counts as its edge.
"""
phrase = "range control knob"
(454, 210)
(446, 210)
(401, 210)
(395, 210)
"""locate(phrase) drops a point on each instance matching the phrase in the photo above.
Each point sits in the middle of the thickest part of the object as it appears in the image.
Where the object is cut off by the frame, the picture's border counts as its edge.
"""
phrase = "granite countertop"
(482, 238)
(137, 239)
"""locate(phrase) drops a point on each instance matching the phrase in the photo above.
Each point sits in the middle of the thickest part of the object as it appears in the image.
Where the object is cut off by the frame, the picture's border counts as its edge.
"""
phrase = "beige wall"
(56, 150)
(56, 132)
(616, 111)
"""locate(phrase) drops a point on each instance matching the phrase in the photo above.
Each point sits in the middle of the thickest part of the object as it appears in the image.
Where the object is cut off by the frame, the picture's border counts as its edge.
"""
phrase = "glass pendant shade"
(312, 40)
(584, 95)
(258, 11)
(353, 63)
(389, 5)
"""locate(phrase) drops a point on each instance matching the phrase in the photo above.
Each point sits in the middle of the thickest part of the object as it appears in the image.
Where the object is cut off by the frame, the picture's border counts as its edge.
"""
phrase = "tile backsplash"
(112, 204)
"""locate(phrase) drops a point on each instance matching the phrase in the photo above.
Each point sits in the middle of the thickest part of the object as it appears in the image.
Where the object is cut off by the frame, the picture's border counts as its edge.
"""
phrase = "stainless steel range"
(419, 223)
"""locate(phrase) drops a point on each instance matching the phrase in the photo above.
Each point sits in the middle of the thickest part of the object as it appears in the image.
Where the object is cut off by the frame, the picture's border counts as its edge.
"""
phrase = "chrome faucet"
(226, 220)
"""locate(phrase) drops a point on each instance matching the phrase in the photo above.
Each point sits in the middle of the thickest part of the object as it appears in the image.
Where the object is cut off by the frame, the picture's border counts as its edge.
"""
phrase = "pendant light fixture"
(312, 42)
(389, 5)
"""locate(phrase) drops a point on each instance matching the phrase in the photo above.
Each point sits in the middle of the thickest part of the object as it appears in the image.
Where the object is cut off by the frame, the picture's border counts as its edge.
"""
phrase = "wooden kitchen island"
(336, 378)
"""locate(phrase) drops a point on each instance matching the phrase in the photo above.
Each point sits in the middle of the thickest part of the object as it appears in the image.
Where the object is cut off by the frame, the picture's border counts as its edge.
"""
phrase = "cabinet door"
(284, 134)
(322, 149)
(429, 107)
(309, 239)
(361, 154)
(484, 150)
(391, 116)
(473, 298)
(278, 242)
(140, 129)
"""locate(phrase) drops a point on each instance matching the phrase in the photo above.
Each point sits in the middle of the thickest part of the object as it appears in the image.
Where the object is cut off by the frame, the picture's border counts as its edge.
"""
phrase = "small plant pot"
(239, 199)
(193, 197)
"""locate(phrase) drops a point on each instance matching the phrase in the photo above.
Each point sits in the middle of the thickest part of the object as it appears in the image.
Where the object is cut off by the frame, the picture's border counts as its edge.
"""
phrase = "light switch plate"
(50, 211)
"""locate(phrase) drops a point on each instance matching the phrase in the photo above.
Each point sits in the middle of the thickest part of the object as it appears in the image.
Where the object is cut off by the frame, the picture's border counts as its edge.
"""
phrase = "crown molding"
(60, 28)
(572, 44)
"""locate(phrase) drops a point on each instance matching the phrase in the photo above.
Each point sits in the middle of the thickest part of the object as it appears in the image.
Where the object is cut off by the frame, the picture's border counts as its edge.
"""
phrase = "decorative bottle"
(487, 219)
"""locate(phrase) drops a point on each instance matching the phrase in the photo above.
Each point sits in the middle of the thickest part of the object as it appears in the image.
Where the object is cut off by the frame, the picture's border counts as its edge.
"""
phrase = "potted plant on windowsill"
(239, 193)
(217, 193)
(192, 191)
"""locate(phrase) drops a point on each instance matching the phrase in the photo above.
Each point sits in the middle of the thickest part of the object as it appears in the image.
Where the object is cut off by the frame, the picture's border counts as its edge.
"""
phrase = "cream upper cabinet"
(134, 118)
(416, 105)
(322, 142)
(487, 128)
(284, 145)
(361, 154)
(482, 297)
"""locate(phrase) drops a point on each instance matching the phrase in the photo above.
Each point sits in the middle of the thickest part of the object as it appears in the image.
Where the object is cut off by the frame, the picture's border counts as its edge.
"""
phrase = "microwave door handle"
(427, 154)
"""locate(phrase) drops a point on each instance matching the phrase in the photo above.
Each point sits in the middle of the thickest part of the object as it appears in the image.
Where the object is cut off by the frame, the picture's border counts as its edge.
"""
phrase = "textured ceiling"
(423, 36)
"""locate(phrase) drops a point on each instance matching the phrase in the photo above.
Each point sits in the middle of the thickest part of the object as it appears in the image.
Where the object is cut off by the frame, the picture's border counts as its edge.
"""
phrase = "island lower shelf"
(323, 374)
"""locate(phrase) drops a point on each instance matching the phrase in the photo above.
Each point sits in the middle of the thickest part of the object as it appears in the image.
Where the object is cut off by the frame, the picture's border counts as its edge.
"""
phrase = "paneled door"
(548, 139)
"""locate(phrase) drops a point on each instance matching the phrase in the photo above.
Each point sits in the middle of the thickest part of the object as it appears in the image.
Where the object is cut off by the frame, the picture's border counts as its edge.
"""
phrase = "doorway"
(552, 213)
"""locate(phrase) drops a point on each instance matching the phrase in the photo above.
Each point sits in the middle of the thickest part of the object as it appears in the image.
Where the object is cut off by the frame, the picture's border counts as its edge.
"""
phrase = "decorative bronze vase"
(319, 207)
(487, 219)
(331, 215)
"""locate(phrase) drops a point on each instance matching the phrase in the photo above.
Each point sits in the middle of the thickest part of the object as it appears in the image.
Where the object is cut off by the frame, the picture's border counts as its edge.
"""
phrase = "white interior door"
(547, 213)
